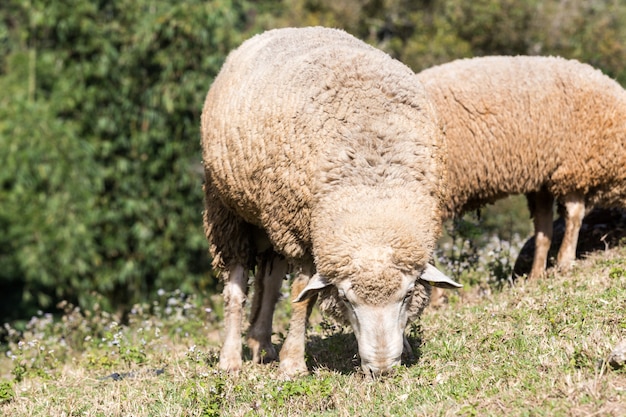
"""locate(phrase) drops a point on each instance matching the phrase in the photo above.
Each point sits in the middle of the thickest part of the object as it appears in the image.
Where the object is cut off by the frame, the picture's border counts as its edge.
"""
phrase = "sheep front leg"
(235, 289)
(541, 204)
(574, 213)
(269, 277)
(292, 353)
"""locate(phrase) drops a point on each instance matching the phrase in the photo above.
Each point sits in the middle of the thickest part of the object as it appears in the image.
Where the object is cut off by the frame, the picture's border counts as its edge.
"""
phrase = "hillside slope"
(539, 348)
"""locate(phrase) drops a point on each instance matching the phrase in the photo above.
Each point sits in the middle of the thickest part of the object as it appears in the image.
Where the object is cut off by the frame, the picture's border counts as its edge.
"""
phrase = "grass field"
(536, 349)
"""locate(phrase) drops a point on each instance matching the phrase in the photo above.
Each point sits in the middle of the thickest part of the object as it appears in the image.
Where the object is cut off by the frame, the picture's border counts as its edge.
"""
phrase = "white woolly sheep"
(327, 148)
(546, 127)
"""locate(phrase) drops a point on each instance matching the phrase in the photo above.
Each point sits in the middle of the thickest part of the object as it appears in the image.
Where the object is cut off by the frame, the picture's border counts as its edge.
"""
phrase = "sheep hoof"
(537, 274)
(230, 363)
(293, 368)
(565, 266)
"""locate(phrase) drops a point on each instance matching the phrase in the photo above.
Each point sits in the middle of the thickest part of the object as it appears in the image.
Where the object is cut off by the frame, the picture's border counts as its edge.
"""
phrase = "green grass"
(536, 349)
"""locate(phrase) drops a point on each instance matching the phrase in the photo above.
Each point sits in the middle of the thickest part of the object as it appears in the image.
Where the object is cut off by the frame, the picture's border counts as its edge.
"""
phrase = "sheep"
(326, 150)
(547, 127)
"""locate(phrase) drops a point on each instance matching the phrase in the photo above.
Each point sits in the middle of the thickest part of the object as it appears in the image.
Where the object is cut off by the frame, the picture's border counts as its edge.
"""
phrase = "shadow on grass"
(339, 353)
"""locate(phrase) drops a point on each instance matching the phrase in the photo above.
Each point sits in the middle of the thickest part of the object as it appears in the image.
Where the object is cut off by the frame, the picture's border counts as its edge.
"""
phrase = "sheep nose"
(374, 370)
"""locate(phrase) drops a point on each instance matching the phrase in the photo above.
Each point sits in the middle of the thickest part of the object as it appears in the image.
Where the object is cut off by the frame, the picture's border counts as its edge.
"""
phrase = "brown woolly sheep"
(326, 149)
(546, 127)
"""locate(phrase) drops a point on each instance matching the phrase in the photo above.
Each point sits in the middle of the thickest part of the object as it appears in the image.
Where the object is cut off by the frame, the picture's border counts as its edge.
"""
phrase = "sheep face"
(378, 328)
(379, 314)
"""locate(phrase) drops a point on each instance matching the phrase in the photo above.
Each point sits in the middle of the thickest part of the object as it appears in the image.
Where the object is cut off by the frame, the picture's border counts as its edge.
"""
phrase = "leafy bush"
(47, 199)
(103, 187)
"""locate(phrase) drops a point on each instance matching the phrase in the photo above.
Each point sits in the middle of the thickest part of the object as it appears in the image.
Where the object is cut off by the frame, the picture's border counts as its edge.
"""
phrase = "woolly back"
(514, 124)
(298, 118)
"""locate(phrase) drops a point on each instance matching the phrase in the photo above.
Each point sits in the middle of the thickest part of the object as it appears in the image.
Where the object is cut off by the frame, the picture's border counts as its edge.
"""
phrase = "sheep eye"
(408, 296)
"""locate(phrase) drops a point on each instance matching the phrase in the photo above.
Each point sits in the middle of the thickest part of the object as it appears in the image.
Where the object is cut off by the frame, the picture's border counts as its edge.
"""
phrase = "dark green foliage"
(493, 26)
(48, 186)
(101, 179)
(428, 32)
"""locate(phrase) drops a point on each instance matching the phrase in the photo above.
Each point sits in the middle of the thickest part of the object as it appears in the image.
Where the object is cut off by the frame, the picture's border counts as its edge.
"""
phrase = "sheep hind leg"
(271, 269)
(574, 205)
(292, 353)
(541, 206)
(235, 289)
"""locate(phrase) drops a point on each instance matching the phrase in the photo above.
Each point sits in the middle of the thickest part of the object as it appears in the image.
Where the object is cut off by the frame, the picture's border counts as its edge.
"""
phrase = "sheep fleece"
(328, 145)
(515, 124)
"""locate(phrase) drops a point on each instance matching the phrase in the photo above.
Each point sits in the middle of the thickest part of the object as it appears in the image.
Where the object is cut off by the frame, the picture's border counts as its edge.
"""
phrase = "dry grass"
(536, 349)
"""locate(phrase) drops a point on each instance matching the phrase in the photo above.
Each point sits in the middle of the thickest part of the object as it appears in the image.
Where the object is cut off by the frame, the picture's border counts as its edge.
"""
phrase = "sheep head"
(379, 326)
(371, 246)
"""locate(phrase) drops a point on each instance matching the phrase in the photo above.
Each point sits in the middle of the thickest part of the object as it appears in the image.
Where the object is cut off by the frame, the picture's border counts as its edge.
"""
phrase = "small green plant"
(617, 272)
(206, 394)
(215, 397)
(475, 257)
(581, 359)
(310, 388)
(19, 371)
(461, 254)
(34, 354)
(7, 393)
(132, 355)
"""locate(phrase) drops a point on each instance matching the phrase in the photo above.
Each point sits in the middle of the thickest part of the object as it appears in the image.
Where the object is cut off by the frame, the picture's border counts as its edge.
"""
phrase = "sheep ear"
(437, 278)
(316, 284)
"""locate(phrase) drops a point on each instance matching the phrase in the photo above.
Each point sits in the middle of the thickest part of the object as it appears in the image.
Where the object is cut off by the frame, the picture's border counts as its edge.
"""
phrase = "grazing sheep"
(327, 149)
(546, 127)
